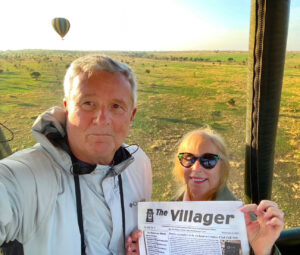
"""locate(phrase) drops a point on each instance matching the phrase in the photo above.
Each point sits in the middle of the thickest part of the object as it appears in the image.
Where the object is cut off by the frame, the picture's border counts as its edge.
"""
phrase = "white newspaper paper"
(194, 228)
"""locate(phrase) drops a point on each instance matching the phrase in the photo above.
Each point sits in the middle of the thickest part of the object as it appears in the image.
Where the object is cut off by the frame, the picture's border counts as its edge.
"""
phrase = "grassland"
(178, 92)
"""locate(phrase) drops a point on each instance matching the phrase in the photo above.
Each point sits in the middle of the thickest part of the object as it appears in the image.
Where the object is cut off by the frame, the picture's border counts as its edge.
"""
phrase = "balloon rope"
(10, 131)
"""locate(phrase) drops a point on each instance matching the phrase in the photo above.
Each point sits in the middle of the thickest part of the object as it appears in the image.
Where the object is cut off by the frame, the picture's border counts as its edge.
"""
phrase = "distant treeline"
(182, 58)
(192, 56)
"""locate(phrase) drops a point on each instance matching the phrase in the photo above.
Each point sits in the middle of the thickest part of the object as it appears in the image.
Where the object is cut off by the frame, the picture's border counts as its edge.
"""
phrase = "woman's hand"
(132, 243)
(263, 232)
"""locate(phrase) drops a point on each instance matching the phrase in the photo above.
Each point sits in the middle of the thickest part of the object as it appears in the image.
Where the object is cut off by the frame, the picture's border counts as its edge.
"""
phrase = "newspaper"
(177, 228)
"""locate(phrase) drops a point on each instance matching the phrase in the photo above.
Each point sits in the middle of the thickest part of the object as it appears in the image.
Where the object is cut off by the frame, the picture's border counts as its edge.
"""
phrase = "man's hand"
(132, 243)
(263, 232)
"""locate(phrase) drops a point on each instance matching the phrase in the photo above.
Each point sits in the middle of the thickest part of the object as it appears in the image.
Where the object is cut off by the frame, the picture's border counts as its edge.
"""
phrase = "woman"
(202, 167)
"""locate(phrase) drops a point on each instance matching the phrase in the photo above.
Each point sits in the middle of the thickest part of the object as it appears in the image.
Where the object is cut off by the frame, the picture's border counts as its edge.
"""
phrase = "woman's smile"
(198, 180)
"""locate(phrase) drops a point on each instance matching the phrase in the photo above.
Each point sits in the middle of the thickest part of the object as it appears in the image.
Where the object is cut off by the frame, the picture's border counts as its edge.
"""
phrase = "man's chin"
(103, 154)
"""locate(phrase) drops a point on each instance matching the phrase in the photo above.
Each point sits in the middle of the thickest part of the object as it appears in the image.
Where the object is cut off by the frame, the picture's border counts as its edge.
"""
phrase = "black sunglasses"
(207, 160)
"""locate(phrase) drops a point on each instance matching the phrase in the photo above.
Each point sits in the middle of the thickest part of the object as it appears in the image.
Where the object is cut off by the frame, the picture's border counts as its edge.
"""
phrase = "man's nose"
(101, 116)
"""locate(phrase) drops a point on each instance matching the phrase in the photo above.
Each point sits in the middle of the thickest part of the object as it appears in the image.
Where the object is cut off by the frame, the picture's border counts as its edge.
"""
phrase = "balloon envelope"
(61, 26)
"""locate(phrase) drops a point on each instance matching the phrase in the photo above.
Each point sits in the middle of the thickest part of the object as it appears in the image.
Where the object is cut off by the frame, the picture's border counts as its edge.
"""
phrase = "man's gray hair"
(90, 64)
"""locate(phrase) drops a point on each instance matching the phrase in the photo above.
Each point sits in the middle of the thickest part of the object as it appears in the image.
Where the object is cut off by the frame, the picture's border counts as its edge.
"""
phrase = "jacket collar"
(121, 155)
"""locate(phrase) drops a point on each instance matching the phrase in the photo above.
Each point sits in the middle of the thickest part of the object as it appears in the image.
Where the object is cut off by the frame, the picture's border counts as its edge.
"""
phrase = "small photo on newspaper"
(195, 228)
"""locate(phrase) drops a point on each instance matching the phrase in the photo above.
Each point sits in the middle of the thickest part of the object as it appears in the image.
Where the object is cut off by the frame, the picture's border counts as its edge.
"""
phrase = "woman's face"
(202, 183)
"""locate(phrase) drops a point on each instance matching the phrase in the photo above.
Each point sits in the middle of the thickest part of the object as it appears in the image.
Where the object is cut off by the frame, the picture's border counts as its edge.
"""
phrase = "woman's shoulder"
(225, 194)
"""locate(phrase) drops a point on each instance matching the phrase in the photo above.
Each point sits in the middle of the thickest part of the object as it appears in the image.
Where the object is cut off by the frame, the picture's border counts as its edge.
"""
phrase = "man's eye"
(116, 106)
(87, 105)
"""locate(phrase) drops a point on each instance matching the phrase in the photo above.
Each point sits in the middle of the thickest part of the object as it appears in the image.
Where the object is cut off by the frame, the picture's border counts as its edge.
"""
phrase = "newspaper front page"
(195, 228)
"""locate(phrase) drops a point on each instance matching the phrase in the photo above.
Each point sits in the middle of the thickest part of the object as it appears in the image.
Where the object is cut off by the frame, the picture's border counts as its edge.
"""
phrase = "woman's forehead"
(197, 143)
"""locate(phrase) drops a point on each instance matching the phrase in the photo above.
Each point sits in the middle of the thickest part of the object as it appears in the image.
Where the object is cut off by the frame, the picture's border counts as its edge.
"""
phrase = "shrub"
(35, 75)
(231, 102)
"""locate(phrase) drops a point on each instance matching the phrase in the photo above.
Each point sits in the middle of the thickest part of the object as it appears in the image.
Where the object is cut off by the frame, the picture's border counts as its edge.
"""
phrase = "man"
(76, 191)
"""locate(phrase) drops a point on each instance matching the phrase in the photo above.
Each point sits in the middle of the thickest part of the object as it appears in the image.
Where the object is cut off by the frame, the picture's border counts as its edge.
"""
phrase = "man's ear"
(133, 114)
(66, 105)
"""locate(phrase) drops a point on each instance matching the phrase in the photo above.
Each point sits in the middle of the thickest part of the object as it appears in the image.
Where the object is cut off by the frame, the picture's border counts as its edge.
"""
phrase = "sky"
(134, 25)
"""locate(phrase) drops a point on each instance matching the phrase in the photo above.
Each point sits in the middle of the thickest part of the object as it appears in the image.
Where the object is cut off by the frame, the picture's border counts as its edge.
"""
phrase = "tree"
(35, 75)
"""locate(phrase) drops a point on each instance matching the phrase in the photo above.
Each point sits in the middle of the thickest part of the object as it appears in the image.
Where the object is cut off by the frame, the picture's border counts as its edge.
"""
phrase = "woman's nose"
(197, 166)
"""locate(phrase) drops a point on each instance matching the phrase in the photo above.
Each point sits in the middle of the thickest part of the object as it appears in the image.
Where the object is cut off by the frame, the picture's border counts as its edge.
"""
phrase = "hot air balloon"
(61, 26)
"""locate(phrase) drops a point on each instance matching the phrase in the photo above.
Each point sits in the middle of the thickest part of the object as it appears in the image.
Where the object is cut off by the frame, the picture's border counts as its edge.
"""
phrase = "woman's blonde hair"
(193, 140)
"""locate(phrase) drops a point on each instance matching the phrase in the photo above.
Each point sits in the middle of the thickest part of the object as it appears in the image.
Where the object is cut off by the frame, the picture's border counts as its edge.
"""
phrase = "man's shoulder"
(27, 156)
(136, 151)
(32, 171)
(141, 162)
(34, 160)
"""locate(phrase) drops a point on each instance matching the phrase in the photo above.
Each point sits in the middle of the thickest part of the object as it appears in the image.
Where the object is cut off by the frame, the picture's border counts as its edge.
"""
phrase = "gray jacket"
(38, 204)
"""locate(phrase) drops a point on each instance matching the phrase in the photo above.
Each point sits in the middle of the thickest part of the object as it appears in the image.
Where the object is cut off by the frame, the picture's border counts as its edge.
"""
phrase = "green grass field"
(178, 92)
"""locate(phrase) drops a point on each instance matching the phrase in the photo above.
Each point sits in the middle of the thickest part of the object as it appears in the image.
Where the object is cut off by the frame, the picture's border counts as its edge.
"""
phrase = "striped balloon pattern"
(61, 26)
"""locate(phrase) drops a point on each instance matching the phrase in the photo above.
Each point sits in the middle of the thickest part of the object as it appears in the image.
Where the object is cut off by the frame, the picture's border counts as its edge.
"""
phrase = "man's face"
(99, 115)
